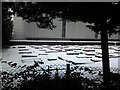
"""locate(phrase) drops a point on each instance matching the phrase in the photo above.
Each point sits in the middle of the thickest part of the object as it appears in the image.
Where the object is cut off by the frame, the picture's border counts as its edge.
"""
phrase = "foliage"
(97, 13)
(102, 15)
(35, 77)
(38, 13)
(7, 23)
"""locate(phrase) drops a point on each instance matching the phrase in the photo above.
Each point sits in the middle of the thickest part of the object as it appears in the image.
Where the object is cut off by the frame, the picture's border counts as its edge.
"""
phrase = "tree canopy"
(97, 13)
(7, 23)
(43, 14)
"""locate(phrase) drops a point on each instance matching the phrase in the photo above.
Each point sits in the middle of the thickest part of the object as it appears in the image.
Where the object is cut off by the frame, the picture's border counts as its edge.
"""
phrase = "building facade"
(24, 30)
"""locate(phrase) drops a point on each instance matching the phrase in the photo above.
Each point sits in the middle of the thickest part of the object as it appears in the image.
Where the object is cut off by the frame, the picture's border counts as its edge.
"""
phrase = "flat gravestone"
(90, 53)
(96, 59)
(50, 51)
(23, 49)
(72, 53)
(25, 52)
(28, 55)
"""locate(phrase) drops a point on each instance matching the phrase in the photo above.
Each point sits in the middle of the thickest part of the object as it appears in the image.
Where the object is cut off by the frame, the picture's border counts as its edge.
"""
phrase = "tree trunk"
(119, 54)
(105, 57)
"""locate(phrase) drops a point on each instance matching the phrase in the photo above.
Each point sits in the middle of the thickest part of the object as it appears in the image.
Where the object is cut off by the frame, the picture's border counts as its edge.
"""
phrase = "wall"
(79, 30)
(19, 28)
(23, 30)
(31, 30)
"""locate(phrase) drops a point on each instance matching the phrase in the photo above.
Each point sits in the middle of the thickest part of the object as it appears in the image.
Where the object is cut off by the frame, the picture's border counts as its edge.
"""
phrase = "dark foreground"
(37, 78)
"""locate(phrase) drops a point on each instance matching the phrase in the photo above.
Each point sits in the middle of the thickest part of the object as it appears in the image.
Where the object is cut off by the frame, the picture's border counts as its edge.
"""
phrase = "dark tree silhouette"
(7, 23)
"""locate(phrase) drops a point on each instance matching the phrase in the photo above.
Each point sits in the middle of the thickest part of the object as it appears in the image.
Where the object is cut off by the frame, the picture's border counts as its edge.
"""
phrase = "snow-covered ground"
(84, 55)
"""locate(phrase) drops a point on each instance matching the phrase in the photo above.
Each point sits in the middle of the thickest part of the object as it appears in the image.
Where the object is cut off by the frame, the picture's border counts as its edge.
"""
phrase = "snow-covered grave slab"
(74, 60)
(83, 56)
(58, 49)
(117, 48)
(113, 47)
(28, 55)
(50, 51)
(55, 62)
(77, 49)
(90, 53)
(95, 59)
(117, 52)
(89, 50)
(52, 58)
(21, 46)
(68, 49)
(111, 55)
(98, 51)
(42, 54)
(80, 61)
(98, 55)
(65, 57)
(25, 52)
(46, 46)
(42, 49)
(72, 53)
(23, 49)
(114, 55)
(32, 60)
(36, 46)
(97, 47)
(111, 51)
(87, 47)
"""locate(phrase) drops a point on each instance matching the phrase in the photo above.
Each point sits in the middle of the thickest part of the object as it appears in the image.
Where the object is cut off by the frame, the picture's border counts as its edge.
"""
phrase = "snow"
(84, 55)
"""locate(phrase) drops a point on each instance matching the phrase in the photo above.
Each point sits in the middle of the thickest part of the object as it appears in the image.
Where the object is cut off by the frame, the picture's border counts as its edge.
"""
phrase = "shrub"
(35, 77)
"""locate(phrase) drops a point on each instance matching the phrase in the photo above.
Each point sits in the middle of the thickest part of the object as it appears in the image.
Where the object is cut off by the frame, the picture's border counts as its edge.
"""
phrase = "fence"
(71, 73)
(68, 69)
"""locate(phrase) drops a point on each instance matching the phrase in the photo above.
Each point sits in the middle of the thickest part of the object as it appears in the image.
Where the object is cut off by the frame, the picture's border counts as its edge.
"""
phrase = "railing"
(66, 70)
(85, 75)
